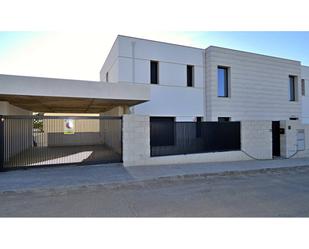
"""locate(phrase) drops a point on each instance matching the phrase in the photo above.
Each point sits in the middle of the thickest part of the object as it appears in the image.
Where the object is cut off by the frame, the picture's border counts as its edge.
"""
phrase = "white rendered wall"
(183, 103)
(259, 86)
(111, 65)
(305, 99)
(171, 97)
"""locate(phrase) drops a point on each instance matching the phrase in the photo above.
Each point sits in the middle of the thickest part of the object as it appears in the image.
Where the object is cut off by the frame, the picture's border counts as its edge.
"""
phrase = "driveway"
(269, 193)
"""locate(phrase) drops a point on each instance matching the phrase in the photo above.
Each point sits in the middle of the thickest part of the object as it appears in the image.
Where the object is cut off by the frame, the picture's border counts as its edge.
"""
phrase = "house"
(184, 81)
(160, 103)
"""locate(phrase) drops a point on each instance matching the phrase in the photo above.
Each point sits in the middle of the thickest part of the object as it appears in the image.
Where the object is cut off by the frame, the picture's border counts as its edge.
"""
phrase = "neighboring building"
(216, 83)
(305, 94)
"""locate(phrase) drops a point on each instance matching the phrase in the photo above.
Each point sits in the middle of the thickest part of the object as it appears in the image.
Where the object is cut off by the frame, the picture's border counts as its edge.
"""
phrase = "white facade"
(258, 84)
(129, 61)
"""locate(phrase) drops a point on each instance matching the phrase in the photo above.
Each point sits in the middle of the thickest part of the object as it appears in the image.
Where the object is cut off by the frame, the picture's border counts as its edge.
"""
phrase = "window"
(106, 77)
(190, 77)
(300, 140)
(224, 119)
(303, 91)
(293, 118)
(292, 88)
(223, 82)
(154, 72)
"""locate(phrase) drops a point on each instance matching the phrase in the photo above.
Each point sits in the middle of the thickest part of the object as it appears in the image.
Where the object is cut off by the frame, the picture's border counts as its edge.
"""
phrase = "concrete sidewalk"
(73, 176)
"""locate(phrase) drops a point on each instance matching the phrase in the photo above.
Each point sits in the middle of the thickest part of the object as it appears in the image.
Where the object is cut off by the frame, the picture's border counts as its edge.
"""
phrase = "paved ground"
(115, 173)
(273, 192)
(64, 154)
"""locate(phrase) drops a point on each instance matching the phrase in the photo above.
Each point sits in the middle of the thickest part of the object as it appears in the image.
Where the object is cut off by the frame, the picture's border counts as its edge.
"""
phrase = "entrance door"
(276, 137)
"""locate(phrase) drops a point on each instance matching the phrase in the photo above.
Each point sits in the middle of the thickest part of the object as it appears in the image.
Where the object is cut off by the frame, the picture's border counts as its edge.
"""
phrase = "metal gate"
(31, 141)
(176, 138)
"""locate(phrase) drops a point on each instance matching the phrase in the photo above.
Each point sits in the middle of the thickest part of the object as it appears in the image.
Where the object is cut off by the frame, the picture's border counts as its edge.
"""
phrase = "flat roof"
(39, 94)
(231, 49)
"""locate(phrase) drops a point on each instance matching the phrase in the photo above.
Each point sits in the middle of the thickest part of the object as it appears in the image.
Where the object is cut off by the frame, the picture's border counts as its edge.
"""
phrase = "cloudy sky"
(81, 55)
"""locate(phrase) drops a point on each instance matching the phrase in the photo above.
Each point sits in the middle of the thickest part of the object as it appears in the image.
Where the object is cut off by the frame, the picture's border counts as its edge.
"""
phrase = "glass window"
(292, 88)
(154, 72)
(303, 91)
(190, 73)
(223, 82)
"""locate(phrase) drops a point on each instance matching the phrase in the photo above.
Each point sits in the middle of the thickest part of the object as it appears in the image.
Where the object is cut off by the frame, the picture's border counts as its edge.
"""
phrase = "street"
(267, 193)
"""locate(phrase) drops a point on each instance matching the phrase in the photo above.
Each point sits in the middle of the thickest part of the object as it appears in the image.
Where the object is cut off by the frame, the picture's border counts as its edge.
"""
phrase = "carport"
(78, 121)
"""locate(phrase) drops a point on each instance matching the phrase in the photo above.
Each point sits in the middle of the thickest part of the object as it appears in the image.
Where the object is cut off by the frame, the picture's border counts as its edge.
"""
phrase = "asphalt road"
(272, 193)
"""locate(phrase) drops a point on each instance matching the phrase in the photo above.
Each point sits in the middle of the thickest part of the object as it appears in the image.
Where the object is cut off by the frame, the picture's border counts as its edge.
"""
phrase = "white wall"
(259, 86)
(171, 97)
(111, 65)
(305, 99)
(183, 103)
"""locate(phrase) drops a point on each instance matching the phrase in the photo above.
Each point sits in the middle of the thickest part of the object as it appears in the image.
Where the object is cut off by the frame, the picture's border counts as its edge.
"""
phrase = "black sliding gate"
(174, 138)
(30, 141)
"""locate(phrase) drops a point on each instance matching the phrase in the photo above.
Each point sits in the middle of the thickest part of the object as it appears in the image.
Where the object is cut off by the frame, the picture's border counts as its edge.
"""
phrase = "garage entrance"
(31, 141)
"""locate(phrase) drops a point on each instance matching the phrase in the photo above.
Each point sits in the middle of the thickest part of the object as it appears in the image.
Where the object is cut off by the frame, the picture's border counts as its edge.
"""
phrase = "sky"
(77, 55)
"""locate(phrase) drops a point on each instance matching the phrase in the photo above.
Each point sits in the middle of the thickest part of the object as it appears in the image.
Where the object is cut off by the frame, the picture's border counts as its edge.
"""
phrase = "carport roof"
(39, 94)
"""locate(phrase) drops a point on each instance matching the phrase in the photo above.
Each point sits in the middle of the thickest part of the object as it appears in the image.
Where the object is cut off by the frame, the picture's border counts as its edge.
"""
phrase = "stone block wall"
(136, 140)
(256, 138)
(288, 140)
(256, 141)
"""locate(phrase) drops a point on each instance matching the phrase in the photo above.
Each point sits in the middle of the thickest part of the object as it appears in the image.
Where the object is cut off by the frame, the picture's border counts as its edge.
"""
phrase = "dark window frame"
(190, 76)
(292, 88)
(226, 82)
(154, 76)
